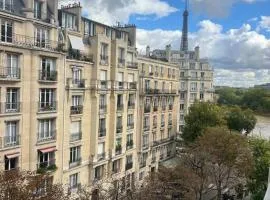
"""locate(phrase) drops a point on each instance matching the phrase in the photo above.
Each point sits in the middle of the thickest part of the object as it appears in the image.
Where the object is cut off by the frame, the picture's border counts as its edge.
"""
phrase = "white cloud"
(112, 11)
(215, 8)
(264, 23)
(240, 56)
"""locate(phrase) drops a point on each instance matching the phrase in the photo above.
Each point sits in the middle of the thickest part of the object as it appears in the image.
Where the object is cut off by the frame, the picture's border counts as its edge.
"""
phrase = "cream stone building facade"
(76, 99)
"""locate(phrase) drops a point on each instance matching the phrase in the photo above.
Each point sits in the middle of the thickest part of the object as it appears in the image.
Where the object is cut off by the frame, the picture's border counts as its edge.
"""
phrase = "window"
(102, 102)
(76, 75)
(6, 31)
(129, 162)
(103, 79)
(69, 21)
(183, 85)
(6, 5)
(202, 74)
(13, 66)
(47, 99)
(75, 154)
(194, 74)
(202, 86)
(116, 166)
(12, 100)
(121, 55)
(104, 52)
(119, 101)
(47, 71)
(108, 32)
(182, 74)
(154, 121)
(163, 86)
(75, 131)
(201, 96)
(147, 84)
(119, 124)
(74, 180)
(89, 28)
(131, 100)
(156, 85)
(99, 172)
(76, 100)
(120, 35)
(130, 120)
(146, 122)
(150, 68)
(120, 77)
(102, 127)
(46, 159)
(181, 117)
(41, 37)
(46, 129)
(12, 133)
(145, 140)
(182, 96)
(162, 120)
(193, 96)
(11, 161)
(129, 141)
(193, 86)
(182, 106)
(37, 9)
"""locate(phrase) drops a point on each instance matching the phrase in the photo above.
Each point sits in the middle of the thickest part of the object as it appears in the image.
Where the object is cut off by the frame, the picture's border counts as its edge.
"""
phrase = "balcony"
(132, 86)
(147, 109)
(47, 166)
(129, 144)
(10, 141)
(74, 54)
(120, 107)
(104, 59)
(101, 156)
(132, 65)
(130, 126)
(75, 162)
(131, 105)
(10, 107)
(102, 132)
(74, 137)
(102, 108)
(119, 129)
(47, 106)
(32, 42)
(76, 110)
(46, 137)
(10, 74)
(121, 62)
(118, 149)
(47, 75)
(151, 73)
(75, 83)
(129, 166)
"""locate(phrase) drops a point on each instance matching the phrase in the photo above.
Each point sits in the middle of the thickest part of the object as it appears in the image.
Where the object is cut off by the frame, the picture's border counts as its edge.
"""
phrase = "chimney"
(168, 52)
(147, 51)
(197, 53)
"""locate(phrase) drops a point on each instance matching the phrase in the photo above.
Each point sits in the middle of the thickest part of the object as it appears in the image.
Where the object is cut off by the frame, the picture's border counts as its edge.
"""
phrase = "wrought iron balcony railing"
(76, 110)
(46, 136)
(47, 106)
(10, 107)
(10, 141)
(104, 59)
(76, 162)
(47, 75)
(132, 65)
(74, 54)
(9, 73)
(75, 137)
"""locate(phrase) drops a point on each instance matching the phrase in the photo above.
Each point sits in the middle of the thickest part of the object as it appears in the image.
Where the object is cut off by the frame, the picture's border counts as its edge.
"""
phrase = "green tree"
(201, 115)
(257, 183)
(240, 120)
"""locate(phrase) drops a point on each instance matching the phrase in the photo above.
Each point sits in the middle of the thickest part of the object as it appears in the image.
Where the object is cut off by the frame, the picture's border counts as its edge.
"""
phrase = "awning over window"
(14, 155)
(47, 150)
(76, 42)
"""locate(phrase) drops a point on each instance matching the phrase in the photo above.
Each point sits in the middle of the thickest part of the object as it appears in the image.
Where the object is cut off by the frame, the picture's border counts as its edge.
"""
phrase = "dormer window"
(6, 5)
(69, 21)
(89, 28)
(37, 9)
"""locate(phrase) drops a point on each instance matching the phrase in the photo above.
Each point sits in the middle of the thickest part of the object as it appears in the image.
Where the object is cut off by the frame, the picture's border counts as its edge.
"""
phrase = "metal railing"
(102, 108)
(75, 54)
(76, 162)
(9, 73)
(45, 137)
(121, 61)
(76, 110)
(31, 42)
(47, 75)
(10, 141)
(132, 65)
(75, 137)
(10, 107)
(46, 166)
(104, 59)
(47, 106)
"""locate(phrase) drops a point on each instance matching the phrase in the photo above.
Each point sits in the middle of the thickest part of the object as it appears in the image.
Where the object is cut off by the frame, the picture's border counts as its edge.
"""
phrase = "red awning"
(47, 150)
(14, 155)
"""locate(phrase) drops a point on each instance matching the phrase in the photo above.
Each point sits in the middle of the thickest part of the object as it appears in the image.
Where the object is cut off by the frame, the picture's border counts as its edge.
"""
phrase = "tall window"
(121, 55)
(46, 129)
(193, 86)
(76, 100)
(74, 180)
(46, 159)
(6, 31)
(47, 99)
(104, 52)
(75, 130)
(102, 101)
(47, 71)
(12, 98)
(108, 32)
(75, 154)
(13, 66)
(89, 28)
(6, 5)
(41, 37)
(99, 172)
(130, 120)
(11, 162)
(12, 133)
(37, 9)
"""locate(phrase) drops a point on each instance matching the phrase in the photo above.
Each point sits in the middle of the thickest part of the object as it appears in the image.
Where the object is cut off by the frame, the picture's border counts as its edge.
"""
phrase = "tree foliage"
(239, 120)
(258, 179)
(201, 115)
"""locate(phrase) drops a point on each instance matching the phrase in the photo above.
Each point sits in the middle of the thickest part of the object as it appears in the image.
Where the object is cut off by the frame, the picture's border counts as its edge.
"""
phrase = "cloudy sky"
(233, 34)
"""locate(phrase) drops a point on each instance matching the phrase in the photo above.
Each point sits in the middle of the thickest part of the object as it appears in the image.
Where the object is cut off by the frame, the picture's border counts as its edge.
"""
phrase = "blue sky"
(233, 34)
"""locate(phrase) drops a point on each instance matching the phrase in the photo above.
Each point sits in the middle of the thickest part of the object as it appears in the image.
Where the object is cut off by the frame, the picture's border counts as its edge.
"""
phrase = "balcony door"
(12, 97)
(47, 68)
(76, 75)
(12, 66)
(41, 37)
(11, 133)
(6, 31)
(46, 98)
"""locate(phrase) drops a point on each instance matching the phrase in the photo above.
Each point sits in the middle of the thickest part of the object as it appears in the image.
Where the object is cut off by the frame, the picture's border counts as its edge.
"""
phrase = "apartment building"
(76, 101)
(158, 91)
